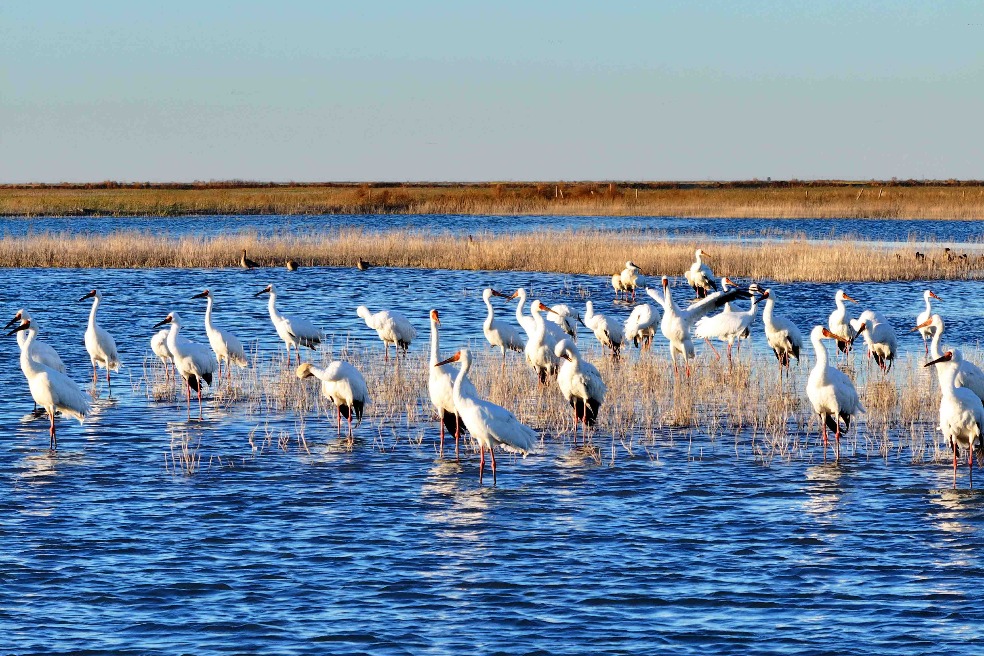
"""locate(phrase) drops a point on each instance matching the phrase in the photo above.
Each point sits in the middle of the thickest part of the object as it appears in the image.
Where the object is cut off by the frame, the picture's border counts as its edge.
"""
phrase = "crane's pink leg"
(712, 348)
(837, 442)
(457, 433)
(492, 455)
(200, 398)
(481, 461)
(953, 445)
(188, 404)
(970, 463)
(823, 427)
(52, 438)
(338, 422)
(440, 419)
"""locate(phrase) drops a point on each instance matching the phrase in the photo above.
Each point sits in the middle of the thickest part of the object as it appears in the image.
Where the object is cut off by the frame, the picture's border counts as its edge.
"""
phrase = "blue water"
(388, 549)
(868, 229)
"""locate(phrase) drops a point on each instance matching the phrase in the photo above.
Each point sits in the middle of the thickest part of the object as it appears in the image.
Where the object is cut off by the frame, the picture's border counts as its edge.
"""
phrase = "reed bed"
(746, 408)
(753, 199)
(573, 252)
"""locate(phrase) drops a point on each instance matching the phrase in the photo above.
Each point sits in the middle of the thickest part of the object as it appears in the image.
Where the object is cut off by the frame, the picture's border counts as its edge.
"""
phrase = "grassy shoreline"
(780, 200)
(573, 252)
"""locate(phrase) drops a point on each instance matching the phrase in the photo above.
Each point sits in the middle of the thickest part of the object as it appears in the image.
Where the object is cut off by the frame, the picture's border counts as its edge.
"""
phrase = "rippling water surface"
(388, 549)
(868, 229)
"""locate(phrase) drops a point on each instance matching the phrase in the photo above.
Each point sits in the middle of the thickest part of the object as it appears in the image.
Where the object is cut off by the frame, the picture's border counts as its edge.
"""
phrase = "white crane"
(440, 385)
(581, 384)
(676, 323)
(879, 336)
(839, 322)
(961, 415)
(194, 362)
(968, 374)
(490, 424)
(552, 332)
(226, 346)
(539, 348)
(40, 352)
(831, 392)
(50, 388)
(726, 326)
(158, 344)
(391, 326)
(640, 327)
(499, 333)
(606, 330)
(925, 316)
(617, 284)
(344, 386)
(699, 276)
(99, 343)
(295, 331)
(782, 334)
(630, 278)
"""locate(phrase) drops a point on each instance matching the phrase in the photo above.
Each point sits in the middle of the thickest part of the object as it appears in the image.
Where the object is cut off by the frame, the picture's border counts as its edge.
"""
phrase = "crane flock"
(549, 347)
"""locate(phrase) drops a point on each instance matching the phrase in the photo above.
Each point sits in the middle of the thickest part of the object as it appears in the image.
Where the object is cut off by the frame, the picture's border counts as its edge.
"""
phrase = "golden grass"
(572, 252)
(746, 407)
(750, 199)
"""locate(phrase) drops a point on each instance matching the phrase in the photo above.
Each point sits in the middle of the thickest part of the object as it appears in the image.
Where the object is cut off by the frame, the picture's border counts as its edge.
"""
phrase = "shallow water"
(946, 232)
(387, 549)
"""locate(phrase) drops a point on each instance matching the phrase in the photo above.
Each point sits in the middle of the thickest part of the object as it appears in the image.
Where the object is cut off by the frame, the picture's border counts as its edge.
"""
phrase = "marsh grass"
(746, 409)
(592, 252)
(753, 199)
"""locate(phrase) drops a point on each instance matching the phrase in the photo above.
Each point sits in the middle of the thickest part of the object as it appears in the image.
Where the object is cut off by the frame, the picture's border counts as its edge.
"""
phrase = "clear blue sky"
(490, 90)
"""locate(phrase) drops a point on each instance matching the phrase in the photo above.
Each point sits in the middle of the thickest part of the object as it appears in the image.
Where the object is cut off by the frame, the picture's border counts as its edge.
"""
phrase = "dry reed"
(573, 252)
(910, 200)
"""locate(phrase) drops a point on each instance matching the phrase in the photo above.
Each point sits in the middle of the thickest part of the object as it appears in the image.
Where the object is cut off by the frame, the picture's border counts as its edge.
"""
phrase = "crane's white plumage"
(552, 332)
(617, 284)
(782, 334)
(640, 327)
(879, 336)
(225, 345)
(440, 384)
(839, 322)
(676, 322)
(606, 330)
(927, 331)
(490, 424)
(295, 331)
(831, 392)
(726, 326)
(968, 374)
(40, 352)
(158, 344)
(581, 384)
(699, 275)
(961, 413)
(391, 326)
(539, 346)
(99, 343)
(565, 317)
(194, 362)
(50, 388)
(497, 332)
(344, 386)
(630, 278)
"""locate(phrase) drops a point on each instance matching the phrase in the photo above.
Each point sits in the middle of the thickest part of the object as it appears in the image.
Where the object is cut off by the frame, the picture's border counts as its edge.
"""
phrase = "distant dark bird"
(247, 263)
(292, 265)
(920, 256)
(361, 264)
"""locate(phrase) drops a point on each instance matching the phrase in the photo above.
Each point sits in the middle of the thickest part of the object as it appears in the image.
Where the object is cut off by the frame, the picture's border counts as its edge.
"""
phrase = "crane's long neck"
(840, 305)
(668, 305)
(929, 305)
(491, 315)
(934, 347)
(947, 375)
(539, 328)
(519, 308)
(435, 344)
(465, 363)
(751, 310)
(28, 364)
(589, 313)
(698, 260)
(767, 312)
(92, 312)
(820, 350)
(172, 337)
(272, 306)
(208, 316)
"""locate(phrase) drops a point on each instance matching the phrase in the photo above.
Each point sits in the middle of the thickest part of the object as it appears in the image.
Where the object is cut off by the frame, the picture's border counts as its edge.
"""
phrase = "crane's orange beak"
(848, 298)
(935, 296)
(453, 358)
(946, 357)
(924, 324)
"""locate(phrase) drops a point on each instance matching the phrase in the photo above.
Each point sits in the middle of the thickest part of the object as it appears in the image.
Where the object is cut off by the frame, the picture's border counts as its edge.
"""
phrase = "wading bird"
(879, 336)
(246, 263)
(391, 326)
(726, 326)
(640, 327)
(50, 388)
(617, 284)
(606, 330)
(440, 386)
(499, 333)
(158, 344)
(782, 334)
(699, 276)
(194, 362)
(491, 425)
(100, 344)
(580, 383)
(925, 316)
(831, 392)
(344, 386)
(676, 323)
(968, 374)
(630, 278)
(564, 317)
(539, 348)
(40, 352)
(839, 322)
(961, 416)
(226, 346)
(295, 331)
